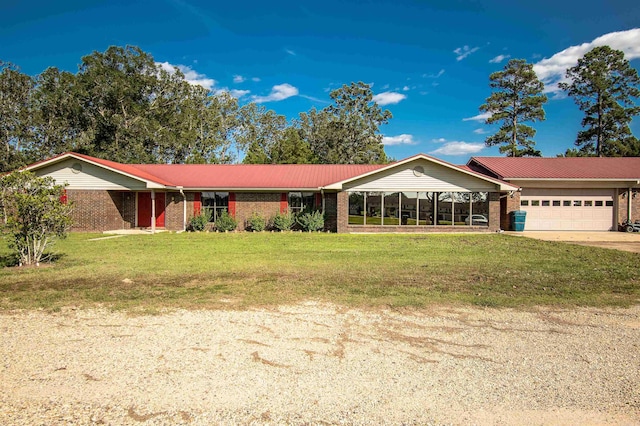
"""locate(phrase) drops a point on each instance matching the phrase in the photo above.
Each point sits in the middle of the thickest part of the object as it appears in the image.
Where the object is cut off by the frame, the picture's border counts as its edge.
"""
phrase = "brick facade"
(508, 204)
(266, 204)
(623, 204)
(102, 210)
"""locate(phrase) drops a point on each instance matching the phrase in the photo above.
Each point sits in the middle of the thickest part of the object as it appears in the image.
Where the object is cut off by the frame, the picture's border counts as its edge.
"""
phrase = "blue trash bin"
(518, 219)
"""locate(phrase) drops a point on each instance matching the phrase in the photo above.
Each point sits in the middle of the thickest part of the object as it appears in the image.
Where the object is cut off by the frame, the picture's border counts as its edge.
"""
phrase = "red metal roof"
(510, 168)
(251, 176)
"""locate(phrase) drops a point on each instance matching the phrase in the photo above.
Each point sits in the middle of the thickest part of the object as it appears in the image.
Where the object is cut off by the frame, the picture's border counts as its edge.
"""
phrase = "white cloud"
(480, 131)
(238, 79)
(290, 52)
(551, 71)
(279, 92)
(479, 117)
(499, 59)
(239, 93)
(405, 89)
(191, 76)
(403, 139)
(459, 148)
(388, 98)
(438, 75)
(464, 51)
(256, 79)
(440, 140)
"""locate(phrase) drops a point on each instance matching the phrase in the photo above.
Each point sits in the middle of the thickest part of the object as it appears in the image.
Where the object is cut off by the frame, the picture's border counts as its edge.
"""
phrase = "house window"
(545, 203)
(524, 203)
(356, 208)
(598, 203)
(588, 203)
(301, 202)
(214, 204)
(556, 203)
(566, 203)
(535, 203)
(577, 203)
(609, 203)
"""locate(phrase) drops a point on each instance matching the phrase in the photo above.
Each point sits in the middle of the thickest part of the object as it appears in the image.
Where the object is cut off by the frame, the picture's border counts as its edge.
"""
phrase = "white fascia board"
(205, 189)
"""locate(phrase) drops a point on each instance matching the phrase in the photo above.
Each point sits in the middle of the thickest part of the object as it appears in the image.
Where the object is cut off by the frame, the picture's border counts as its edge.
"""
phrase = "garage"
(568, 209)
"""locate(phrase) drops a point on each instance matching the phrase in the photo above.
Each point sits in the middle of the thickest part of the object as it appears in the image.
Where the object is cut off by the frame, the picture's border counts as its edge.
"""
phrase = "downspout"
(184, 209)
(153, 211)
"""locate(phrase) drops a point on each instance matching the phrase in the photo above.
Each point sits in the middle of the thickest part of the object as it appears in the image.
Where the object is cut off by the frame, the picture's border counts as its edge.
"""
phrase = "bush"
(198, 223)
(226, 223)
(283, 221)
(256, 222)
(35, 213)
(311, 222)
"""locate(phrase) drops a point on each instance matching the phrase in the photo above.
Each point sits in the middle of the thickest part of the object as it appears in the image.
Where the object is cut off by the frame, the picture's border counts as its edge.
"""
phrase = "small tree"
(35, 214)
(518, 99)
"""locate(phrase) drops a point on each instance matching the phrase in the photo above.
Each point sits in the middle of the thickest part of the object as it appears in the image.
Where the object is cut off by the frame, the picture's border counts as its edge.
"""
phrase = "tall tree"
(347, 131)
(15, 116)
(518, 98)
(261, 130)
(58, 117)
(603, 85)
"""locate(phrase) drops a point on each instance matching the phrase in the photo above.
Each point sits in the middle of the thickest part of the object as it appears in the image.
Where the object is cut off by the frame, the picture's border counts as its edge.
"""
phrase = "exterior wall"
(623, 204)
(173, 211)
(331, 211)
(344, 227)
(507, 205)
(266, 204)
(102, 210)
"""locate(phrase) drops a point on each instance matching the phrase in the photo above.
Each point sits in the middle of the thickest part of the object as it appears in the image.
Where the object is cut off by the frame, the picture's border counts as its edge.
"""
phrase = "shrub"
(311, 222)
(283, 221)
(226, 223)
(35, 213)
(256, 222)
(198, 223)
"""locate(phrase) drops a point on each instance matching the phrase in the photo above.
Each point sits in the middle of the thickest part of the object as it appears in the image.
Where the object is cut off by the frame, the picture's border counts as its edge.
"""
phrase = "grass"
(241, 270)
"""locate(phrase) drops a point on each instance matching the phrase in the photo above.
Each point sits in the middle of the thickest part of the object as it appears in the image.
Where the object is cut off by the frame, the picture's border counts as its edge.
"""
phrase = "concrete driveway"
(613, 240)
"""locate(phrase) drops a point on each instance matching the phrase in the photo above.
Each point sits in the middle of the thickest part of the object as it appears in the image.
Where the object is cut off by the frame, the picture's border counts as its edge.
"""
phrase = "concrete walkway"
(132, 231)
(613, 240)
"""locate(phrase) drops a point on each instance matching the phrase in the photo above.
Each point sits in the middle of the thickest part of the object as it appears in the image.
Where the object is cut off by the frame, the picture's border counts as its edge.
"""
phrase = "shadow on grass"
(12, 260)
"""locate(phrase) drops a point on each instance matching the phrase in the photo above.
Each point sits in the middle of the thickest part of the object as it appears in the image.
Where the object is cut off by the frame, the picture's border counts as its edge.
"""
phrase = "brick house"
(417, 194)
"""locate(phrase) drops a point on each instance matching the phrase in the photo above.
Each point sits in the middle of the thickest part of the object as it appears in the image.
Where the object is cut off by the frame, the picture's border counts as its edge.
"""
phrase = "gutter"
(184, 208)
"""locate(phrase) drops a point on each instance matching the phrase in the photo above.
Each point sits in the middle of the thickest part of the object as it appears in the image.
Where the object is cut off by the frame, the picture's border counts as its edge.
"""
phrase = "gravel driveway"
(322, 364)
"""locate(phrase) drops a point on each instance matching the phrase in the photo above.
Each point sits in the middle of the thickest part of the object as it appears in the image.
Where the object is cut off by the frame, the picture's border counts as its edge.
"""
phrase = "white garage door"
(567, 209)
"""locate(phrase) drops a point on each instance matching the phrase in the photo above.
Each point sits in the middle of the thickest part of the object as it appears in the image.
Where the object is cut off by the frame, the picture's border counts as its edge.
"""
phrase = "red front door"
(144, 209)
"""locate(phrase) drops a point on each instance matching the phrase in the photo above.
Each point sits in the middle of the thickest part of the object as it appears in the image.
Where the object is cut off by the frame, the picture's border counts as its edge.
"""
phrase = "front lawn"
(240, 270)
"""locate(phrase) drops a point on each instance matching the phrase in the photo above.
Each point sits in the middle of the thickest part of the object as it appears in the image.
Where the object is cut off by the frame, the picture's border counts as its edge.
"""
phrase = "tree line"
(602, 84)
(122, 106)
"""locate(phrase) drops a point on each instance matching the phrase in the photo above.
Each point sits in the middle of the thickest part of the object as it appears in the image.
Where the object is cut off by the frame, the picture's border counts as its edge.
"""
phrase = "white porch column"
(153, 211)
(629, 196)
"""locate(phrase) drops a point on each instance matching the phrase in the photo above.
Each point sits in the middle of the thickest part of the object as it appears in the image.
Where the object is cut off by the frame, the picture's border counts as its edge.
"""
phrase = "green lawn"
(240, 270)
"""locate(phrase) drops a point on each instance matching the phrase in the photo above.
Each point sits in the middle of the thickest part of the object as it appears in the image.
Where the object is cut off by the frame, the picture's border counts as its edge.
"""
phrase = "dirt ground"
(612, 240)
(322, 364)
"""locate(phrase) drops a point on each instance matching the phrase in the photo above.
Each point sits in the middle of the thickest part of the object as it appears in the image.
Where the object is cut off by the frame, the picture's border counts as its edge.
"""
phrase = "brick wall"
(102, 210)
(623, 203)
(267, 204)
(331, 212)
(508, 204)
(173, 211)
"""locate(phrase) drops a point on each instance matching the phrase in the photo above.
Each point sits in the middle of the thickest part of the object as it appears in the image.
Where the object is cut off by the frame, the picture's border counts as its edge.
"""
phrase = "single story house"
(418, 194)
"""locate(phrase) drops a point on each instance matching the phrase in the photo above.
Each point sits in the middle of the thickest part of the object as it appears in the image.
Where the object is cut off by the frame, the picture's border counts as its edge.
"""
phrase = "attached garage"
(568, 209)
(567, 194)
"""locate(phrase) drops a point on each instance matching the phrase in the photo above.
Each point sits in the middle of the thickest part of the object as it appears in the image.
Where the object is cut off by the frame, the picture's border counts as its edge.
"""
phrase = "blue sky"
(428, 61)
